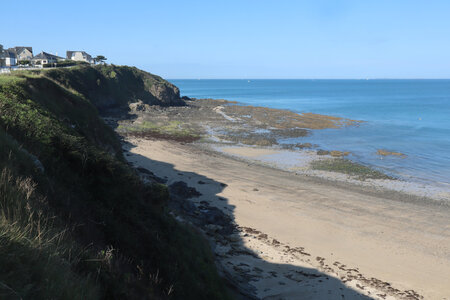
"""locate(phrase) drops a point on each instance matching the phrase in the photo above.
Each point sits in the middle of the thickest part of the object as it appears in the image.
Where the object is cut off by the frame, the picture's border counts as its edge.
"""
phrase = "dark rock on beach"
(145, 171)
(151, 176)
(181, 189)
(323, 152)
(304, 145)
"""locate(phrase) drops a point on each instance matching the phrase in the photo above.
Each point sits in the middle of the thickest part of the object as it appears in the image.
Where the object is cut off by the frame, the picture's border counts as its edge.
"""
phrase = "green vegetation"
(348, 167)
(65, 63)
(24, 62)
(76, 222)
(174, 130)
(100, 59)
(111, 87)
(36, 257)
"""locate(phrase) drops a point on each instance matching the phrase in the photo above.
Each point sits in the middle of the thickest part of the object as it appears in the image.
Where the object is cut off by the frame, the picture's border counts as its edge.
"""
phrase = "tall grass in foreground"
(35, 259)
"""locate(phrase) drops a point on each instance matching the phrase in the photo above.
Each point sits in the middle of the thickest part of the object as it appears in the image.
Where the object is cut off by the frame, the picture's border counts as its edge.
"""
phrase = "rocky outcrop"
(384, 152)
(111, 87)
(167, 94)
(333, 153)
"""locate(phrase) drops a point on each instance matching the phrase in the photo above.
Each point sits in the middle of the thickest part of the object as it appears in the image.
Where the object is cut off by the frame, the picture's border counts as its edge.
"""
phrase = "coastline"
(221, 125)
(414, 124)
(368, 242)
(277, 228)
(397, 189)
(284, 229)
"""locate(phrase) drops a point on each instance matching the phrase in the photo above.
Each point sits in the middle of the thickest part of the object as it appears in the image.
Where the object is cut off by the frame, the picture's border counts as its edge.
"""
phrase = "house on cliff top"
(22, 53)
(46, 58)
(8, 58)
(79, 56)
(12, 56)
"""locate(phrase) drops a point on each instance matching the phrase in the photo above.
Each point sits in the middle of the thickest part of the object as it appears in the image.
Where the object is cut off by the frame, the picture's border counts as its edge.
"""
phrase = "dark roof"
(20, 49)
(9, 53)
(45, 55)
(11, 50)
(14, 52)
(69, 54)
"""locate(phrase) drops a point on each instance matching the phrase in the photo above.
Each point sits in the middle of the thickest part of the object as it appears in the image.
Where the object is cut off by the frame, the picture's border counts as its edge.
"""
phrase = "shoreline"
(223, 123)
(398, 189)
(341, 228)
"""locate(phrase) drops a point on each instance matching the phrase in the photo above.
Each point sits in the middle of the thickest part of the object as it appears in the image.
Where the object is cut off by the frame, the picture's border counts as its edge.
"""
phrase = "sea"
(407, 116)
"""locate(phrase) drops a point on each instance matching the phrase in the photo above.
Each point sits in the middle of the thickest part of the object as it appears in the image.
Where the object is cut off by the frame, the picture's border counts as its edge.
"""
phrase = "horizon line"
(380, 78)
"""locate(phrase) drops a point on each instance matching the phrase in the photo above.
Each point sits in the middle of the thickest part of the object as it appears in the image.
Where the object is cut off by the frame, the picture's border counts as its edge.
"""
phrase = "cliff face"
(79, 221)
(114, 87)
(167, 94)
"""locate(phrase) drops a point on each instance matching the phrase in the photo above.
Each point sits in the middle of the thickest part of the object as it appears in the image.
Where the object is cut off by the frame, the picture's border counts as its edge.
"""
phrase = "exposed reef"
(384, 152)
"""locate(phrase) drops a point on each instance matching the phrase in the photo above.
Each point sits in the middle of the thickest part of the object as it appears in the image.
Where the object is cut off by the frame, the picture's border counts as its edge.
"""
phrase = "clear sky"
(244, 38)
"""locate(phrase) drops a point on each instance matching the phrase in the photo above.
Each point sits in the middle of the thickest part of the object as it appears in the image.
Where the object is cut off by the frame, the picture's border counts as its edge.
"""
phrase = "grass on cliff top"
(106, 86)
(66, 187)
(110, 86)
(348, 167)
(8, 79)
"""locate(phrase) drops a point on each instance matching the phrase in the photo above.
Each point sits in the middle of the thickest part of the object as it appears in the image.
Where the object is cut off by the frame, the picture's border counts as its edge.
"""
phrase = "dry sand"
(313, 239)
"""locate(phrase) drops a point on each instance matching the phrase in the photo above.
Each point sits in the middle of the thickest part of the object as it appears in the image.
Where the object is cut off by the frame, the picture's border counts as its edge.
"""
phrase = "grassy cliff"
(76, 222)
(109, 86)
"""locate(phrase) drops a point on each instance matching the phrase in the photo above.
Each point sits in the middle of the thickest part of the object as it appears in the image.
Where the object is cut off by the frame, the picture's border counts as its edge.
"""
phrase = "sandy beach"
(225, 127)
(302, 237)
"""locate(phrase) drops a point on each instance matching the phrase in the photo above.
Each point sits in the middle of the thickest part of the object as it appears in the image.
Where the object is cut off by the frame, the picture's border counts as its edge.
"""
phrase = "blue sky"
(245, 38)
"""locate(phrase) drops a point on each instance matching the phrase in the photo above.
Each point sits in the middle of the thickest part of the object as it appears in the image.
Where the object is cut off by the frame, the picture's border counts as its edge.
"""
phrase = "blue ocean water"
(408, 116)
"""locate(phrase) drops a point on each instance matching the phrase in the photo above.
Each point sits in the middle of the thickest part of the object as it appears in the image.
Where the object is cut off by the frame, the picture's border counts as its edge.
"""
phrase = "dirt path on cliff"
(348, 239)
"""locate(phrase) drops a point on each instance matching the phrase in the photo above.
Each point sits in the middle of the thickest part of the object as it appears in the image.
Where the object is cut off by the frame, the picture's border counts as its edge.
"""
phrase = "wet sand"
(309, 238)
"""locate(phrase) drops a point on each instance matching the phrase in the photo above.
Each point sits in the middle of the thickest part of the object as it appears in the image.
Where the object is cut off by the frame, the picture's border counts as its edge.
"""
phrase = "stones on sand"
(180, 188)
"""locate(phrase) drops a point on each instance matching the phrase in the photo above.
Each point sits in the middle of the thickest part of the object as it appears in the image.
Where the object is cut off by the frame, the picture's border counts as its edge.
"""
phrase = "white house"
(9, 58)
(79, 56)
(45, 58)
